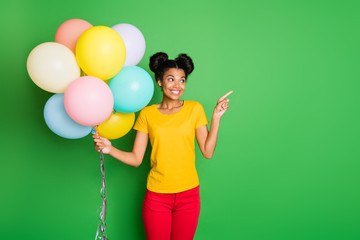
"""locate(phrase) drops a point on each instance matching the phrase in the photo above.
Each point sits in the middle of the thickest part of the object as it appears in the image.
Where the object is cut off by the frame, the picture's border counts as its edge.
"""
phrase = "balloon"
(132, 88)
(88, 101)
(52, 67)
(117, 125)
(134, 43)
(100, 52)
(59, 121)
(69, 32)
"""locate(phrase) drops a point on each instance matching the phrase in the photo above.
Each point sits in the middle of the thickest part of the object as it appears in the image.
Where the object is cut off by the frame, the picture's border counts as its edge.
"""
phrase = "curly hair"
(160, 62)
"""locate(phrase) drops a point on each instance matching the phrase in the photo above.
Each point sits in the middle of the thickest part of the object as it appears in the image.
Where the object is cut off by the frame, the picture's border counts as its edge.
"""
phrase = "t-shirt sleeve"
(141, 122)
(201, 119)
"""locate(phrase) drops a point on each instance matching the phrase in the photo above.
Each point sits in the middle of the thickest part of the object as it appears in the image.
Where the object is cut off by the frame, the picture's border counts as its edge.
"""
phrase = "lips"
(176, 92)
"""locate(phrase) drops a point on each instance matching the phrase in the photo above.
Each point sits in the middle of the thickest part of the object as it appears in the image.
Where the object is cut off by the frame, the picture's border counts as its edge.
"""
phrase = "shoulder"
(193, 104)
(148, 109)
(147, 112)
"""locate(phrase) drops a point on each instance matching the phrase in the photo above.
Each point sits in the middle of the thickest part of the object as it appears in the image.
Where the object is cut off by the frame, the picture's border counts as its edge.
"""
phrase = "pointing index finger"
(227, 94)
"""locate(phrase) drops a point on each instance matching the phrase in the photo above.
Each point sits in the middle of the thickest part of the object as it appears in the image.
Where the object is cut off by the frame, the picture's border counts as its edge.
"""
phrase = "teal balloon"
(132, 89)
(57, 119)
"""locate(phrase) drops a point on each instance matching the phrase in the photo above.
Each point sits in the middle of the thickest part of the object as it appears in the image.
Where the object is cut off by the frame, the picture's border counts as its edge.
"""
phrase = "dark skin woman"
(172, 203)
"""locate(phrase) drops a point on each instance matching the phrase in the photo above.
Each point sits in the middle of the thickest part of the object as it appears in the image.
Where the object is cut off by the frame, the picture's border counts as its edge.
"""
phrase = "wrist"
(111, 150)
(215, 117)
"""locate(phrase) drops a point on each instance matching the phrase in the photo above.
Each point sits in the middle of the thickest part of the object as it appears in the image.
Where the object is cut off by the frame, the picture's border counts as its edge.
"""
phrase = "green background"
(287, 159)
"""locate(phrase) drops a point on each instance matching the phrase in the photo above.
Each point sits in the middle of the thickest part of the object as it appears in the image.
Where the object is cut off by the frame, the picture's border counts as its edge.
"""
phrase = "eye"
(182, 80)
(171, 79)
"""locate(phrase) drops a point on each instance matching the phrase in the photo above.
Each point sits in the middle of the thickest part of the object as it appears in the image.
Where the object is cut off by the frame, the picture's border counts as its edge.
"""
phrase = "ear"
(159, 82)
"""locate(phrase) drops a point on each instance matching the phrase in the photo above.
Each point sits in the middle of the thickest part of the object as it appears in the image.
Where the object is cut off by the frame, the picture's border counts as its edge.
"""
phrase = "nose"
(176, 84)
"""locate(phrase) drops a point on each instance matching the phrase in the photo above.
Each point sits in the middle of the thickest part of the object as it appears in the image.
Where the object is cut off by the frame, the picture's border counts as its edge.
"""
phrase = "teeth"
(175, 92)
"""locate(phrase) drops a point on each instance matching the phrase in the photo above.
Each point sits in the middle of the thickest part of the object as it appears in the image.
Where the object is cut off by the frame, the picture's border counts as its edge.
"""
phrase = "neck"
(168, 103)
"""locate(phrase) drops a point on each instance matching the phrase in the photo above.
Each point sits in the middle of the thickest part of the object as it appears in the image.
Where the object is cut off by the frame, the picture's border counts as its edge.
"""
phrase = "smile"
(174, 92)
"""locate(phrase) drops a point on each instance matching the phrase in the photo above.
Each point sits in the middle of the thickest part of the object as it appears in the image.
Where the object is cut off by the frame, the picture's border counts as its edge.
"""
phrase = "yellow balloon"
(116, 126)
(100, 52)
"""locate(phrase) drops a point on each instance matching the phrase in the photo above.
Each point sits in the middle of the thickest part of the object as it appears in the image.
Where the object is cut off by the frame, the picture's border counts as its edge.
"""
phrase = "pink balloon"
(88, 101)
(69, 32)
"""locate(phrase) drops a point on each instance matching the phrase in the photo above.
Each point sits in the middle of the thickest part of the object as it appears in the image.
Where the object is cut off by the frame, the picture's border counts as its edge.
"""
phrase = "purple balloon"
(134, 43)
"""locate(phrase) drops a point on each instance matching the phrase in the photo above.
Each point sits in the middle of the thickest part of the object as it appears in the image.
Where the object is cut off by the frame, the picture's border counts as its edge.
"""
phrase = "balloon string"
(100, 234)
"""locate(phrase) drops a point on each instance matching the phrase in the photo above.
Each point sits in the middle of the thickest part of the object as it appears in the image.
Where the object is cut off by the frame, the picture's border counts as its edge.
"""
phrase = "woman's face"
(173, 83)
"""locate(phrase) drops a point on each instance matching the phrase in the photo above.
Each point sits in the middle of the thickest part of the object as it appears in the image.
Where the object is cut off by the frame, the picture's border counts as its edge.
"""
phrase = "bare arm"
(207, 139)
(133, 158)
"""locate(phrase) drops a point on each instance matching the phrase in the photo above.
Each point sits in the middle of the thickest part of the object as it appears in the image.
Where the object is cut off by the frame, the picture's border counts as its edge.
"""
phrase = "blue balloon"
(132, 89)
(57, 119)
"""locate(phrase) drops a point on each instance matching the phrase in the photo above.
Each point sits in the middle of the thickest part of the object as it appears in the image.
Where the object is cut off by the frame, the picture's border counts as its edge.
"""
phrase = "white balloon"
(134, 43)
(52, 67)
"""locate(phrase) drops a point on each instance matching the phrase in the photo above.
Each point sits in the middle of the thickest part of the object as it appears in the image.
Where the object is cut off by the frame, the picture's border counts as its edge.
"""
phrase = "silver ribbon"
(100, 234)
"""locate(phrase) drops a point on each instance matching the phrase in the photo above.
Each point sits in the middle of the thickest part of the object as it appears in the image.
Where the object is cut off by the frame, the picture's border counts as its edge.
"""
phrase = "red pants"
(171, 216)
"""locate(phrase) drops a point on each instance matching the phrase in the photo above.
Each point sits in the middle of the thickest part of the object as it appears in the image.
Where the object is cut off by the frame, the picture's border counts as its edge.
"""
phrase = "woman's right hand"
(102, 143)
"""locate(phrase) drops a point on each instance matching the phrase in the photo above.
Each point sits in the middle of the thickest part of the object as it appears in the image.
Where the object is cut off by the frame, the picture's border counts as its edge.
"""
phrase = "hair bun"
(156, 60)
(185, 62)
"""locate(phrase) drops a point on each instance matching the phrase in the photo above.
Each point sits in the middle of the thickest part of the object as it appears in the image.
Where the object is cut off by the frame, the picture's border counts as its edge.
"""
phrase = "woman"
(172, 203)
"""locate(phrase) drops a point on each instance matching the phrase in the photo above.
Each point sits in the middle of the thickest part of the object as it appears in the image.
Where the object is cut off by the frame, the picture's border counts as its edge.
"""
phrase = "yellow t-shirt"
(172, 138)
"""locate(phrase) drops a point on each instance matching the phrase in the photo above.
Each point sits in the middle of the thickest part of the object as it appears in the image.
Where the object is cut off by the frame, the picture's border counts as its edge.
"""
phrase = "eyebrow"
(174, 76)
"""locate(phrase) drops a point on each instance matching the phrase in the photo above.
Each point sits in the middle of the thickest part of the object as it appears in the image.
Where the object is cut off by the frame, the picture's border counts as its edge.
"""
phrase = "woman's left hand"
(222, 105)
